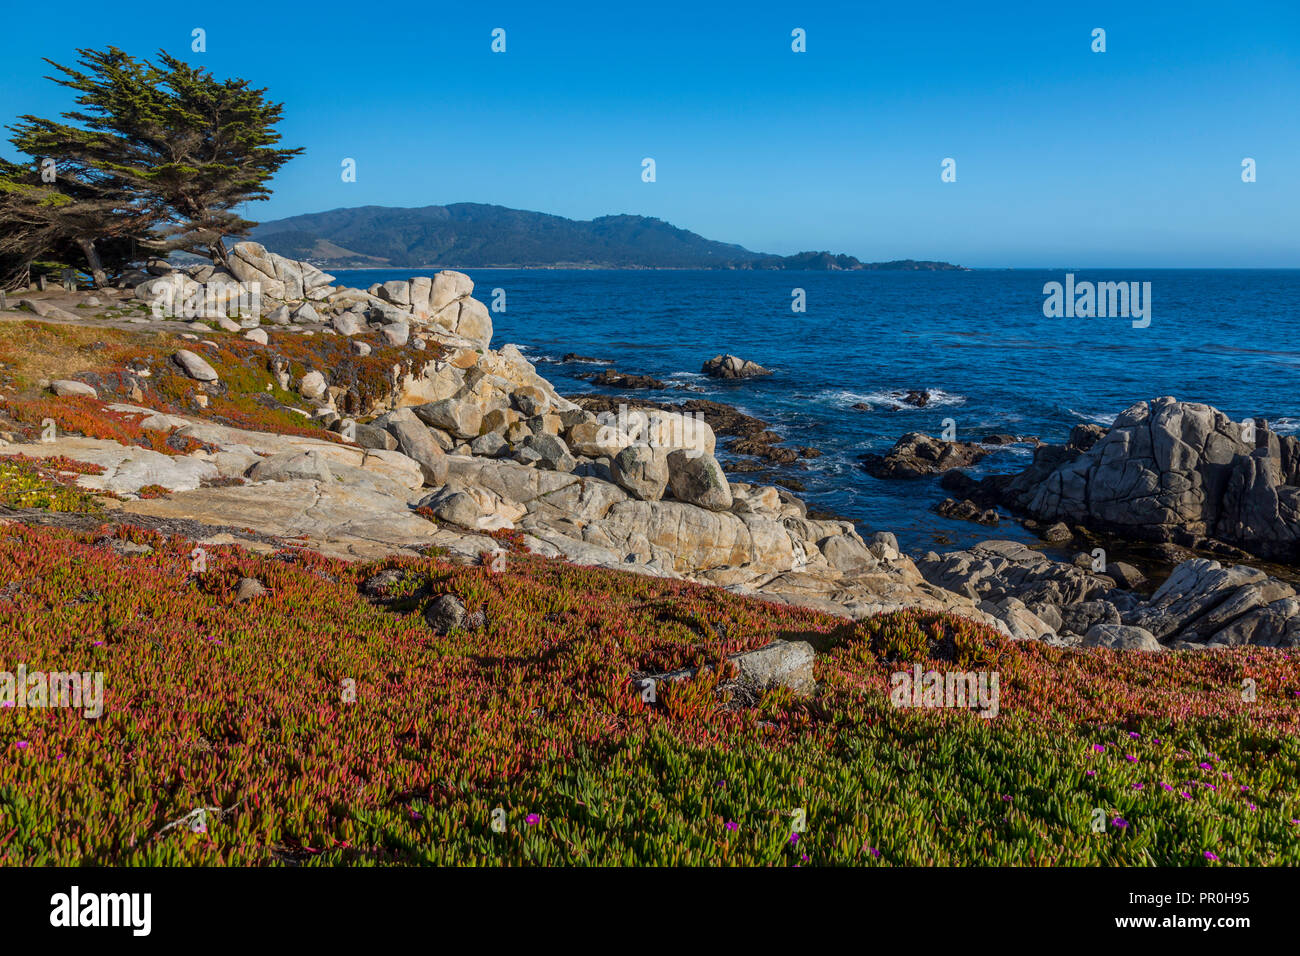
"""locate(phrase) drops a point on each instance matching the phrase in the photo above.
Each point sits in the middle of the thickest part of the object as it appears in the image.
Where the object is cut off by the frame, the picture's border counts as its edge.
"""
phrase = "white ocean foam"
(560, 360)
(688, 376)
(1285, 426)
(1096, 419)
(847, 399)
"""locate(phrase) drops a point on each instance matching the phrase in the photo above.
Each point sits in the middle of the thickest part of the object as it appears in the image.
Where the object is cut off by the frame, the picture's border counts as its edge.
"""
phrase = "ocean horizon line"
(579, 268)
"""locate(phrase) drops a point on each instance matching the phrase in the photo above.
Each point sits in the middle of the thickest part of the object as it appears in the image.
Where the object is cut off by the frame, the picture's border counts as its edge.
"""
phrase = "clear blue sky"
(1065, 157)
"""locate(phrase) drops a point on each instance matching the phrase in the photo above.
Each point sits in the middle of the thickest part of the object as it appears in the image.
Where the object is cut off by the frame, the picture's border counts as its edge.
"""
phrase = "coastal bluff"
(426, 437)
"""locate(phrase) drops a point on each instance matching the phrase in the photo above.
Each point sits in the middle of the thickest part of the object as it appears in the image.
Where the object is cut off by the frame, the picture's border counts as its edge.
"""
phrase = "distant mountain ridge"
(479, 236)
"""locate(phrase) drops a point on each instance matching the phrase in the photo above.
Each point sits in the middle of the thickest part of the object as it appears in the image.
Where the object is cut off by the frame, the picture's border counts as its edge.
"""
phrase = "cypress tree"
(160, 144)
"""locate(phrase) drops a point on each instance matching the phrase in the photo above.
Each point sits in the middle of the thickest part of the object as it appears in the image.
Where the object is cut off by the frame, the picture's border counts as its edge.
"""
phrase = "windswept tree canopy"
(151, 146)
(68, 219)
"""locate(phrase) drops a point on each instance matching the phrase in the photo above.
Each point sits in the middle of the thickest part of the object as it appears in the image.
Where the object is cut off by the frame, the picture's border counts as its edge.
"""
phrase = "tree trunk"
(93, 262)
(18, 278)
(217, 252)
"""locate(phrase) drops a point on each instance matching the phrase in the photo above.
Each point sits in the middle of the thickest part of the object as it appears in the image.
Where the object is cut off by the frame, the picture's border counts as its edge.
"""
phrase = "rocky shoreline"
(444, 444)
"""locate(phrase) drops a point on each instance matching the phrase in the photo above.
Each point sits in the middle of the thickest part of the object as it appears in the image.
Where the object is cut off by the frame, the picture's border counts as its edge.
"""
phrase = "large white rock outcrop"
(1171, 471)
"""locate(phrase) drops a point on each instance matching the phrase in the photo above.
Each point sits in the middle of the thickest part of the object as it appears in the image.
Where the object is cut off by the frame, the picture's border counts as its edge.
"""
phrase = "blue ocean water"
(978, 339)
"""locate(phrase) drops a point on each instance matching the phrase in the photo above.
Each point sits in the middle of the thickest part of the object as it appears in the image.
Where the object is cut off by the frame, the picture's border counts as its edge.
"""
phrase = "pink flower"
(1137, 786)
(1210, 856)
(1205, 766)
(1090, 773)
(732, 825)
(22, 745)
(794, 838)
(1166, 786)
(1133, 735)
(532, 819)
(1130, 758)
(1185, 795)
(1099, 748)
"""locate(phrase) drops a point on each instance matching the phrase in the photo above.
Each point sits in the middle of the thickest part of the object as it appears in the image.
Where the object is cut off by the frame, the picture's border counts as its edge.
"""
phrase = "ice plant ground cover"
(317, 726)
(248, 395)
(48, 483)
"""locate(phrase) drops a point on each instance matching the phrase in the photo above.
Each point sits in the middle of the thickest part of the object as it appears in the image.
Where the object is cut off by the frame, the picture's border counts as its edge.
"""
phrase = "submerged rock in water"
(612, 378)
(966, 510)
(916, 455)
(731, 366)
